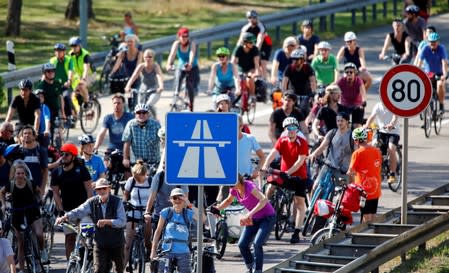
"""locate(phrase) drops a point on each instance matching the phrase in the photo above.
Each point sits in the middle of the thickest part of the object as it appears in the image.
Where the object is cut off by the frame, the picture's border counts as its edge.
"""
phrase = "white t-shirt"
(5, 251)
(138, 195)
(384, 117)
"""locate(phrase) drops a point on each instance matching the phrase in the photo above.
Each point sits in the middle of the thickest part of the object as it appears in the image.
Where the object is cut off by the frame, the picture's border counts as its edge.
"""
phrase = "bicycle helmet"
(38, 92)
(222, 97)
(161, 132)
(70, 148)
(86, 139)
(59, 46)
(222, 51)
(307, 23)
(25, 84)
(360, 134)
(74, 41)
(290, 121)
(433, 37)
(298, 54)
(413, 9)
(248, 37)
(324, 45)
(349, 36)
(13, 152)
(141, 107)
(350, 66)
(251, 14)
(48, 67)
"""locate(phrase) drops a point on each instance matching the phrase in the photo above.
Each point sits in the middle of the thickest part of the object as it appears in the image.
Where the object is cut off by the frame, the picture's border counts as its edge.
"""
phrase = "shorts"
(265, 52)
(296, 184)
(389, 138)
(31, 214)
(357, 114)
(370, 207)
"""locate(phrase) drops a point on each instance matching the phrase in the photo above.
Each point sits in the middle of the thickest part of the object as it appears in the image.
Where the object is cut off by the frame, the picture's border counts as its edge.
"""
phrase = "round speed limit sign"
(405, 90)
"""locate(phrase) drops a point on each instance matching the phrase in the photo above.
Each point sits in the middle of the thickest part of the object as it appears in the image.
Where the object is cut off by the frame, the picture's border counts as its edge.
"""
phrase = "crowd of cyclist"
(315, 104)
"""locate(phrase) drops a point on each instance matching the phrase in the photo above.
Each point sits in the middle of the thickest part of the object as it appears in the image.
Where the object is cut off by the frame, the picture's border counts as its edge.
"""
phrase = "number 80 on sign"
(405, 90)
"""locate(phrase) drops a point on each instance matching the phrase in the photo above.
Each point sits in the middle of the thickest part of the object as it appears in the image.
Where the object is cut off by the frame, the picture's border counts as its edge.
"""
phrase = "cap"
(176, 191)
(102, 183)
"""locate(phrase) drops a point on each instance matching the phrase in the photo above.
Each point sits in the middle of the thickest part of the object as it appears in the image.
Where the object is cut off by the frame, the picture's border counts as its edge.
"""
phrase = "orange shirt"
(366, 162)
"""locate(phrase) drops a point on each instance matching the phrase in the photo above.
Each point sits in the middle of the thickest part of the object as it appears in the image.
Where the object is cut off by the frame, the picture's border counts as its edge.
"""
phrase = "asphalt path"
(428, 157)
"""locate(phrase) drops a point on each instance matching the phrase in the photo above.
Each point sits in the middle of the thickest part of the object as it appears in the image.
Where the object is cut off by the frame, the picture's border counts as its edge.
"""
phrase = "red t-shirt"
(290, 151)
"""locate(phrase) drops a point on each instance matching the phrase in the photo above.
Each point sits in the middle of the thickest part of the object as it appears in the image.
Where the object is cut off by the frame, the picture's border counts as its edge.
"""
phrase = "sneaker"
(44, 256)
(295, 237)
(391, 178)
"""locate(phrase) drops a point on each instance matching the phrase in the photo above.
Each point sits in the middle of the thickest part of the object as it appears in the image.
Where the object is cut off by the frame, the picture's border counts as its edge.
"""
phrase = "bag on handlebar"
(324, 208)
(351, 197)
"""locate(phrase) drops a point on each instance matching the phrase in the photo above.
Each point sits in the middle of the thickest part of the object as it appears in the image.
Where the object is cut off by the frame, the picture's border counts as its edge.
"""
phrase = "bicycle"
(340, 212)
(178, 103)
(189, 89)
(61, 131)
(143, 97)
(89, 114)
(81, 258)
(48, 210)
(137, 252)
(115, 172)
(431, 113)
(109, 61)
(31, 249)
(247, 104)
(208, 259)
(394, 57)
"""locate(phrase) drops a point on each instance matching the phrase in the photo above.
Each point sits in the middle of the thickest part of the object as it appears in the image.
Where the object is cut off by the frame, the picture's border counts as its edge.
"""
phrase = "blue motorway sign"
(201, 148)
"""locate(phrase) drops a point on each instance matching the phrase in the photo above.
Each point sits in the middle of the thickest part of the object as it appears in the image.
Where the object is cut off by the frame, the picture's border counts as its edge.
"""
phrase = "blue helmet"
(433, 37)
(59, 46)
(13, 152)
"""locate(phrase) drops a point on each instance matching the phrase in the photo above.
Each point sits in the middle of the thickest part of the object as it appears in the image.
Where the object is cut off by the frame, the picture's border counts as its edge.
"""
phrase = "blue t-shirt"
(247, 145)
(95, 166)
(45, 116)
(176, 229)
(116, 128)
(283, 61)
(36, 160)
(432, 60)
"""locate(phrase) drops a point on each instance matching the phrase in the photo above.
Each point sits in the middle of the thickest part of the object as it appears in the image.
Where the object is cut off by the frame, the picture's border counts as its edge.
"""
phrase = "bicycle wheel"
(322, 235)
(90, 115)
(282, 214)
(49, 233)
(437, 123)
(310, 216)
(137, 257)
(427, 121)
(395, 186)
(251, 112)
(74, 267)
(221, 238)
(32, 255)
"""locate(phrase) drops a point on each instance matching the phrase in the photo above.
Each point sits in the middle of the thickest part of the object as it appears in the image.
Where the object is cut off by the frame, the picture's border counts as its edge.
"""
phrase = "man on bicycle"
(82, 67)
(434, 58)
(246, 58)
(415, 27)
(364, 170)
(140, 137)
(300, 77)
(288, 109)
(108, 215)
(114, 124)
(325, 65)
(293, 149)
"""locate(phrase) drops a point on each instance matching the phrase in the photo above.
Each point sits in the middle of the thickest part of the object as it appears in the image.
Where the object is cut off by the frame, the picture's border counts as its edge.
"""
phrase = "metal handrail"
(220, 32)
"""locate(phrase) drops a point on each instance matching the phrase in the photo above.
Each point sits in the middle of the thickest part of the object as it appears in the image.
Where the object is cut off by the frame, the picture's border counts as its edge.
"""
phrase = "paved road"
(428, 162)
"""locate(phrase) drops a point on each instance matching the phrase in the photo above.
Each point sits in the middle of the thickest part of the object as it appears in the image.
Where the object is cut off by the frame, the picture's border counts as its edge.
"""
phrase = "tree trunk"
(13, 18)
(72, 11)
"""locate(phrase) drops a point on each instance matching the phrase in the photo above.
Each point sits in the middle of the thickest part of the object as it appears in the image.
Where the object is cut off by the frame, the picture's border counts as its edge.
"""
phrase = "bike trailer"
(353, 198)
(324, 208)
(233, 214)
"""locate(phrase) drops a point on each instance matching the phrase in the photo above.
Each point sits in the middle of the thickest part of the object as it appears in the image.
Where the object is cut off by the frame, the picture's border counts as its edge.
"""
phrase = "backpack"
(187, 222)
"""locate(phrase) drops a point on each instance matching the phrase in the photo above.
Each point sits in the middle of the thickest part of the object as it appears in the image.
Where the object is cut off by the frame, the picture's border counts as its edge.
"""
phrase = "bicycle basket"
(345, 216)
(324, 208)
(351, 198)
(233, 214)
(87, 229)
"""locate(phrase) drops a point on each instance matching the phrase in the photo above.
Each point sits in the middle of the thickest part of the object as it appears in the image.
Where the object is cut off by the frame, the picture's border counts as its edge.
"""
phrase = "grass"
(434, 259)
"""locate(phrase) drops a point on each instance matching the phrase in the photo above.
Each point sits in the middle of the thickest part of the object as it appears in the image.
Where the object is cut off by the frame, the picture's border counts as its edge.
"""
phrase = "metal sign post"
(83, 22)
(11, 64)
(406, 91)
(199, 231)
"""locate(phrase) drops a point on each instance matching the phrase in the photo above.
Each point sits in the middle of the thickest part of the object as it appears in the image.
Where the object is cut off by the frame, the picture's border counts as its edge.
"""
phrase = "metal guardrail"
(226, 31)
(431, 218)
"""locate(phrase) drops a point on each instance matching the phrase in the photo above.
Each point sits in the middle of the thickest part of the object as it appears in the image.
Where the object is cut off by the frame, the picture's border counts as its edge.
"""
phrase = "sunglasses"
(185, 36)
(141, 113)
(177, 197)
(221, 56)
(100, 189)
(292, 128)
(65, 154)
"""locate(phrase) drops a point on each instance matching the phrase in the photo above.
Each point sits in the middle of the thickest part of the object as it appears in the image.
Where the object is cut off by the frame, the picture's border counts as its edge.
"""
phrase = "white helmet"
(141, 107)
(349, 36)
(289, 121)
(298, 54)
(324, 45)
(303, 48)
(222, 97)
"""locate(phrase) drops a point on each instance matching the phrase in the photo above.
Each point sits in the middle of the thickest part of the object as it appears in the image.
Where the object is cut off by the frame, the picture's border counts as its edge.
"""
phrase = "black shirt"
(71, 185)
(299, 79)
(26, 113)
(329, 116)
(278, 116)
(246, 59)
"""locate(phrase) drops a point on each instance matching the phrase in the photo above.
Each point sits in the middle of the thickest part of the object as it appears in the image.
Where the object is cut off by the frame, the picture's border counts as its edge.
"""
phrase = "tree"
(72, 11)
(13, 18)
